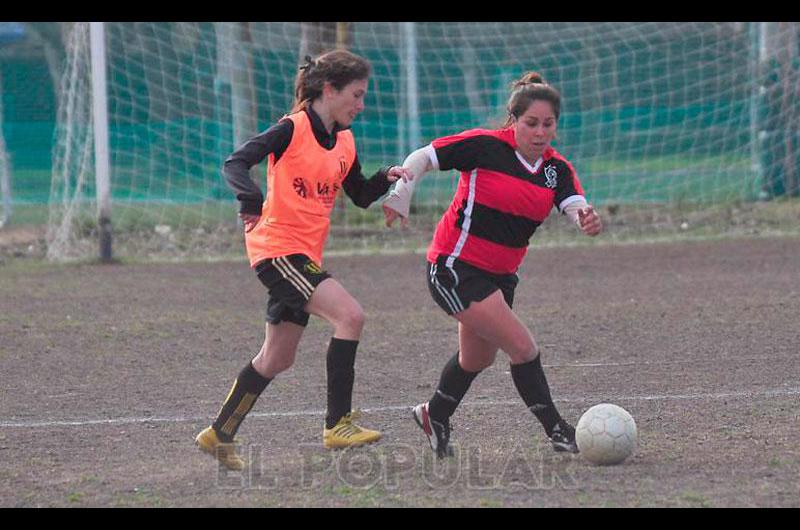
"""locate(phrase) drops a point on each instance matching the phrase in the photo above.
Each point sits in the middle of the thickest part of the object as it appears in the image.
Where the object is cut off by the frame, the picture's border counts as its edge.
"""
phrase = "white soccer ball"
(606, 434)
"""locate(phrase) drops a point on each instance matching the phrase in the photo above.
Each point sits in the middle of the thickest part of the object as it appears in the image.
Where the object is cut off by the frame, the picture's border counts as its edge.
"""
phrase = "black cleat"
(563, 438)
(438, 433)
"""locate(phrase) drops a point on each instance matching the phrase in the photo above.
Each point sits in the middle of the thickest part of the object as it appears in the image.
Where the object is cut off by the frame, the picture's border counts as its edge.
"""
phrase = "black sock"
(341, 362)
(453, 384)
(532, 386)
(243, 395)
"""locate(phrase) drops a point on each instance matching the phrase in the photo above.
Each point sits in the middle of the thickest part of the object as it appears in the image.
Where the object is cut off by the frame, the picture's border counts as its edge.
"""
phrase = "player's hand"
(392, 215)
(589, 221)
(396, 173)
(250, 221)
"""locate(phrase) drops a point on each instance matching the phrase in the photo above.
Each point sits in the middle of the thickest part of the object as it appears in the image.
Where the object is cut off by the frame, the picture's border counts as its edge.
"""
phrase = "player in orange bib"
(312, 156)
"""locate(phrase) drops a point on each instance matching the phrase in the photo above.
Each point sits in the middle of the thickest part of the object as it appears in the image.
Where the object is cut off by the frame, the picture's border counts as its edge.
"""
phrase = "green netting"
(652, 112)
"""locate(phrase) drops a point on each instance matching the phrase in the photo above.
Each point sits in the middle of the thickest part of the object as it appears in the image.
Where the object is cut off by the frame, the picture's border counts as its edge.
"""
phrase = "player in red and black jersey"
(511, 179)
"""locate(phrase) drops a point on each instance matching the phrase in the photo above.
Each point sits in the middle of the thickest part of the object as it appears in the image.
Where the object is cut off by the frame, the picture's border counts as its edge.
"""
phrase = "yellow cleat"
(208, 442)
(347, 434)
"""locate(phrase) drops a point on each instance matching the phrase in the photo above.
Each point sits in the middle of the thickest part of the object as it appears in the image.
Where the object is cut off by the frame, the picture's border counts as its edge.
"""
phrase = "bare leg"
(333, 303)
(278, 352)
(276, 355)
(475, 352)
(496, 324)
(492, 322)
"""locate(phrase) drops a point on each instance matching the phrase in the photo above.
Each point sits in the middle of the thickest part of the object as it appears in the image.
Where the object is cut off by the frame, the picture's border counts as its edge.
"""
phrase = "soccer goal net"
(675, 129)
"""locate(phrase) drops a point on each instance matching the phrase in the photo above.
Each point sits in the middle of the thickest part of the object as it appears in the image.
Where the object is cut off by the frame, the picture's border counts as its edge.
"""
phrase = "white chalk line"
(393, 408)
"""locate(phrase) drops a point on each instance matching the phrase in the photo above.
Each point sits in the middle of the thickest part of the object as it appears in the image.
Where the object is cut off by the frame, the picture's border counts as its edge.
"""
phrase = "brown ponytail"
(527, 89)
(338, 67)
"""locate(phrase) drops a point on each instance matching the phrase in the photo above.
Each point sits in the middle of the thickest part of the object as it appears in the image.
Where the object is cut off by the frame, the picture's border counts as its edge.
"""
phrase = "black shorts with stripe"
(290, 281)
(455, 284)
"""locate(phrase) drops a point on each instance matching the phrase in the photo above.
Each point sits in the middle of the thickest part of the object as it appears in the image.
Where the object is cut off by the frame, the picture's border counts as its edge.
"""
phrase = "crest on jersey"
(550, 174)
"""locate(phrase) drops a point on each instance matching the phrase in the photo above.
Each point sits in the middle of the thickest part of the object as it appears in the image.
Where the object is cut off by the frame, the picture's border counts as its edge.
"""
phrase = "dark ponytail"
(338, 67)
(527, 89)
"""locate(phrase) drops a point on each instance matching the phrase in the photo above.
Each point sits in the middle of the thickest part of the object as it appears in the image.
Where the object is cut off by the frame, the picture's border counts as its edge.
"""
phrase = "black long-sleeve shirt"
(236, 170)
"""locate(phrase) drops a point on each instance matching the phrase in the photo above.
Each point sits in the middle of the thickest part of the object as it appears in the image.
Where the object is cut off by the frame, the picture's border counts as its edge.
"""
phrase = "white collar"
(532, 169)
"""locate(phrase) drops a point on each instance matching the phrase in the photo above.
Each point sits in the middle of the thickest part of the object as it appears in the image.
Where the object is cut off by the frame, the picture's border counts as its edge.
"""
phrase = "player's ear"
(328, 89)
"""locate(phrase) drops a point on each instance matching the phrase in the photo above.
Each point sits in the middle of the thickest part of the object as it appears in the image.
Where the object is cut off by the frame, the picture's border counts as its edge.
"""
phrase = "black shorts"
(290, 281)
(455, 284)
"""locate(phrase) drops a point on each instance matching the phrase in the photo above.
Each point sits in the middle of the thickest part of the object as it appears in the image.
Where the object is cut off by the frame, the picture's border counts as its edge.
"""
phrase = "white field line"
(298, 413)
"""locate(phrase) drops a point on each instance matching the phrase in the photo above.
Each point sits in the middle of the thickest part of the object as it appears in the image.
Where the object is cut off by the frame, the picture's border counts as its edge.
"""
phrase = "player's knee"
(279, 366)
(523, 351)
(476, 364)
(271, 363)
(285, 363)
(353, 319)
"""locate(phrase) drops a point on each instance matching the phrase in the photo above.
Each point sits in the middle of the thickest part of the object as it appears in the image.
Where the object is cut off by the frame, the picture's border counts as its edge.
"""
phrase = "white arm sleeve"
(571, 205)
(419, 162)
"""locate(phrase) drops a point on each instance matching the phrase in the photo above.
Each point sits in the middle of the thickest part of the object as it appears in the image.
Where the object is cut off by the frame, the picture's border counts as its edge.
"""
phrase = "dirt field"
(108, 372)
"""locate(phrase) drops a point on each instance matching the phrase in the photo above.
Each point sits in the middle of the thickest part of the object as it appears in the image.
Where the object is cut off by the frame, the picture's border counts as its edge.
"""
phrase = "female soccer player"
(510, 180)
(312, 155)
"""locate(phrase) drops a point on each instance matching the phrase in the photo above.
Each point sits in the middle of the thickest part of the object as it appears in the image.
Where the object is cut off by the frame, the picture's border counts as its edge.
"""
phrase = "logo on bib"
(300, 187)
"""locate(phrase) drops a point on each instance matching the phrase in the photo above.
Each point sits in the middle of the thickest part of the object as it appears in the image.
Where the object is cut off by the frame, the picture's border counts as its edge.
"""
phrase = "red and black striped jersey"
(501, 199)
